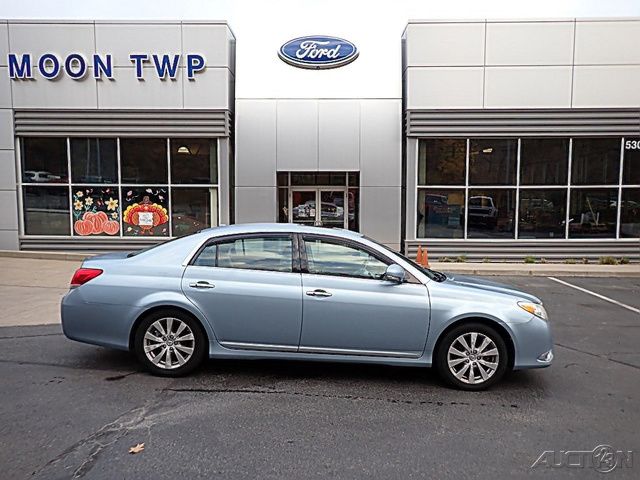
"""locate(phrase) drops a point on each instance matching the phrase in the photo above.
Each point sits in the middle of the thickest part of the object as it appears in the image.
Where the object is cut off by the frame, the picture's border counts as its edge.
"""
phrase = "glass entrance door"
(331, 213)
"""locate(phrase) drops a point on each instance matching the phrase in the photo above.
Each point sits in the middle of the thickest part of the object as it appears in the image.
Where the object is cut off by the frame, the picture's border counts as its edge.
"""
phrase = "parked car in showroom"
(285, 291)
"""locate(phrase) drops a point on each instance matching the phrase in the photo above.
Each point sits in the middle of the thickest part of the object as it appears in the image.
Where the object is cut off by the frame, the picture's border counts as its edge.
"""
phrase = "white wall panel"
(380, 213)
(62, 92)
(4, 43)
(607, 42)
(255, 204)
(536, 43)
(6, 129)
(8, 240)
(445, 44)
(5, 88)
(528, 87)
(381, 142)
(606, 86)
(125, 91)
(212, 41)
(297, 135)
(7, 170)
(339, 135)
(9, 215)
(255, 142)
(209, 89)
(120, 40)
(59, 38)
(456, 87)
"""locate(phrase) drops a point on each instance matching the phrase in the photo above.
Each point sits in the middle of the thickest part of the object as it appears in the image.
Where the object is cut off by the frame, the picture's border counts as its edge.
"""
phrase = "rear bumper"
(97, 323)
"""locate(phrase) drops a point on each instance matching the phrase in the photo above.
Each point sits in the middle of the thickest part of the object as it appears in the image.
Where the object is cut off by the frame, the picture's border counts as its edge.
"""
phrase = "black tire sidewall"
(200, 343)
(441, 356)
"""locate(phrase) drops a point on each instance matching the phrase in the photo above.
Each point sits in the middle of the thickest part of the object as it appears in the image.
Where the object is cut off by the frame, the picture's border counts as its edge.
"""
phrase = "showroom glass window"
(529, 188)
(440, 211)
(115, 187)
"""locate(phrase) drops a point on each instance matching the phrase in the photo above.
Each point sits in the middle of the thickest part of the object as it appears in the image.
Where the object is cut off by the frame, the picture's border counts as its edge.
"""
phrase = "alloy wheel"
(169, 343)
(473, 358)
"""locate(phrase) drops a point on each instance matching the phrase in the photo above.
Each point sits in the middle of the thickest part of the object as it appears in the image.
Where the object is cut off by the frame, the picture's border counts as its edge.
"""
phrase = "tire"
(186, 349)
(480, 364)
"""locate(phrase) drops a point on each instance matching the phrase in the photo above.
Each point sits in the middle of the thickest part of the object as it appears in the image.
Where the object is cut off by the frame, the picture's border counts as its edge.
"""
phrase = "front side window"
(255, 253)
(332, 258)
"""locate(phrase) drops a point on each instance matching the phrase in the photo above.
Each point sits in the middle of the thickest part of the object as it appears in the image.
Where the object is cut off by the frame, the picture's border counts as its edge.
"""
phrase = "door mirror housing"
(394, 273)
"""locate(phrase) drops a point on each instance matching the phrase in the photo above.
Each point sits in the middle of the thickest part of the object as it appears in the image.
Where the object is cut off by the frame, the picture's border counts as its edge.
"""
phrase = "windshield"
(432, 274)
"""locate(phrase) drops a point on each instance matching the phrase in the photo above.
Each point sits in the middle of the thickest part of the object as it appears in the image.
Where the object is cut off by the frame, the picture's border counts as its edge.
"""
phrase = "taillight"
(83, 275)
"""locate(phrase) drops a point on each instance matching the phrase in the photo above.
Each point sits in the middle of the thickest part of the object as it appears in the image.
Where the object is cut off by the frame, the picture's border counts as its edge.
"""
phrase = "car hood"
(490, 286)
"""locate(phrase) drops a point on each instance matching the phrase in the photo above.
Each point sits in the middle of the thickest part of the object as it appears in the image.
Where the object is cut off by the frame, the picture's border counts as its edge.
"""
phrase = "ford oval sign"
(318, 51)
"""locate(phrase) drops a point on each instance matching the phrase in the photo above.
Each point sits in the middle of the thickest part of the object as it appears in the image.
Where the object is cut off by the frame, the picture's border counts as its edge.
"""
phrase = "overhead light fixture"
(184, 149)
(487, 150)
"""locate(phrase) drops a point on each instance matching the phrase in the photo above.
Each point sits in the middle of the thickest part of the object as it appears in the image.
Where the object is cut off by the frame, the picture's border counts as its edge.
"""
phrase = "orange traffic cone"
(425, 258)
(419, 256)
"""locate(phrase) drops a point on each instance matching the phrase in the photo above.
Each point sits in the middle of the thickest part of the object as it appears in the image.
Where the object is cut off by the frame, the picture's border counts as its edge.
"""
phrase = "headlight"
(534, 309)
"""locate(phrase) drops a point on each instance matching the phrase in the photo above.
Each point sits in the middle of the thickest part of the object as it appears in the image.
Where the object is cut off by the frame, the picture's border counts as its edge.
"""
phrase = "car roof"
(242, 228)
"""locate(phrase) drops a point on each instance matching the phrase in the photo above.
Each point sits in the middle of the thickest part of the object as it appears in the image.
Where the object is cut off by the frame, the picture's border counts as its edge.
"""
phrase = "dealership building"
(500, 139)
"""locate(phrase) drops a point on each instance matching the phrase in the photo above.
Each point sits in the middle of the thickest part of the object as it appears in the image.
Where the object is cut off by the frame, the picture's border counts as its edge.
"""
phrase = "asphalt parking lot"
(73, 411)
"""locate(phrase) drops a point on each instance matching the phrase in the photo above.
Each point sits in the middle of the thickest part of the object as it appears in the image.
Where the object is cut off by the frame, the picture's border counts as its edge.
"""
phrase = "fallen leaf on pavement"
(137, 449)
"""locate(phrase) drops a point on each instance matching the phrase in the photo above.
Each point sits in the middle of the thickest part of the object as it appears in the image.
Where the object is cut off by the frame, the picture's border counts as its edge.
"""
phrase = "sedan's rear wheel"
(472, 356)
(170, 343)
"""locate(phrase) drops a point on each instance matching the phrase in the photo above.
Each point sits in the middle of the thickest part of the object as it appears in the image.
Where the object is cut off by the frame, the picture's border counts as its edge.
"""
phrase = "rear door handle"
(201, 284)
(318, 292)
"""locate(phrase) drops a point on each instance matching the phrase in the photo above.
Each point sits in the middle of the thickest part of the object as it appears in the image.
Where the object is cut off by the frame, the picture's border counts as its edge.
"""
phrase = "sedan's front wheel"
(472, 356)
(170, 343)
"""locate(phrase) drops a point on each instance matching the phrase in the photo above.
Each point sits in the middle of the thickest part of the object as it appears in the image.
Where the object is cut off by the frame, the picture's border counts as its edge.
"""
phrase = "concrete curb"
(540, 270)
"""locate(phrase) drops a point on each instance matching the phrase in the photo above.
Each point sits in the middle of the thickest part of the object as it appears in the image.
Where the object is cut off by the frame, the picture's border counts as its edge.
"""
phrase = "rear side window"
(252, 253)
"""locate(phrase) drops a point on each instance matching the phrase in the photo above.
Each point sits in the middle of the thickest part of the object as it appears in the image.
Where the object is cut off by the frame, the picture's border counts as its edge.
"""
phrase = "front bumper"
(533, 344)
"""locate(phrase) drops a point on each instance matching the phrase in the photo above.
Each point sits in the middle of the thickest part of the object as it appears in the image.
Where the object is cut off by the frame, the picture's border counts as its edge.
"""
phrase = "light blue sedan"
(283, 291)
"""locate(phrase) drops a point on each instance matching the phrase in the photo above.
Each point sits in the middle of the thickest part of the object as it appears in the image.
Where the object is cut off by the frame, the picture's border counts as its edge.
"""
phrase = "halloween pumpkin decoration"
(146, 215)
(95, 224)
(111, 227)
(83, 227)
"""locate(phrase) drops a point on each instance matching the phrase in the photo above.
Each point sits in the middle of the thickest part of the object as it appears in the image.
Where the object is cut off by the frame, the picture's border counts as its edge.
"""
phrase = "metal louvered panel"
(553, 250)
(206, 123)
(541, 122)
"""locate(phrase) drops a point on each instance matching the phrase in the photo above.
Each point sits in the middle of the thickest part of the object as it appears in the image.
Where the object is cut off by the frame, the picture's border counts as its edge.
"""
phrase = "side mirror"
(394, 273)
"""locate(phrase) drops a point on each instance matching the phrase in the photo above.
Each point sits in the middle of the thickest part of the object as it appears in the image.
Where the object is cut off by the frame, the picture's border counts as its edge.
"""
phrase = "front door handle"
(201, 284)
(318, 292)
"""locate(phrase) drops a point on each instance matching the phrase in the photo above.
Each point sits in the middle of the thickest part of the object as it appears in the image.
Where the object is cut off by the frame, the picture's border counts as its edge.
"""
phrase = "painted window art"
(96, 211)
(146, 212)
